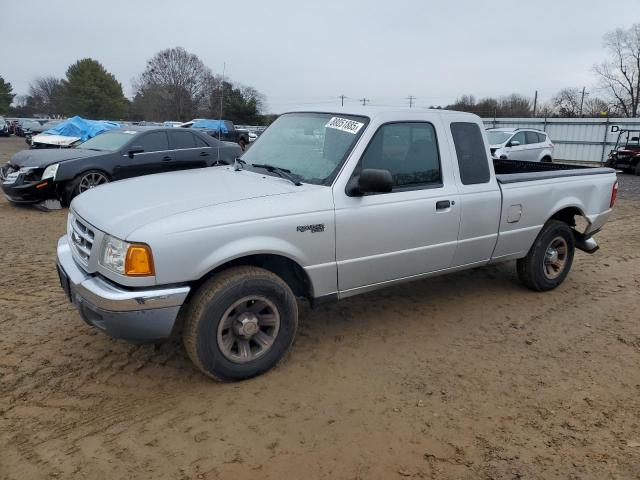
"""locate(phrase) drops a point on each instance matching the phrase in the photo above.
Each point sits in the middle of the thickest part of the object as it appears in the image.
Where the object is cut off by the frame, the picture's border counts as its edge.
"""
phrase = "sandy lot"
(459, 377)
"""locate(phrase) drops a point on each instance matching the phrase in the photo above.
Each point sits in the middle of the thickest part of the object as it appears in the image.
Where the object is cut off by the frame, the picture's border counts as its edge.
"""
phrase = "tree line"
(175, 85)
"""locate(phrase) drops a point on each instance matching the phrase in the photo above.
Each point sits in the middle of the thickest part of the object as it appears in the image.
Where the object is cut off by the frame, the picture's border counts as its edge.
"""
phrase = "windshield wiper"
(283, 172)
(238, 163)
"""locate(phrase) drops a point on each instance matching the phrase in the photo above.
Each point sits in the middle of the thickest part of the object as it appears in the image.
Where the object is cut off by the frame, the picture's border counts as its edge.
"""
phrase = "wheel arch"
(568, 215)
(286, 268)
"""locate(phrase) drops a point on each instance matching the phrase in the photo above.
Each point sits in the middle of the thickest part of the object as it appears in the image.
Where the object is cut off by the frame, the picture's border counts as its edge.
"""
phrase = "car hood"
(44, 157)
(122, 207)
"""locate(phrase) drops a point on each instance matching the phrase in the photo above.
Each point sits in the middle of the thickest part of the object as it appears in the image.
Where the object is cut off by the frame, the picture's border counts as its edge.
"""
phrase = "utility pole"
(342, 97)
(535, 103)
(582, 99)
(364, 101)
(411, 98)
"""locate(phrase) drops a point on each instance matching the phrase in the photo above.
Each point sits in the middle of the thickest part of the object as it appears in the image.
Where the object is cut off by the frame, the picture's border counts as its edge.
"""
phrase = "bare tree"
(620, 75)
(47, 95)
(175, 83)
(514, 105)
(596, 107)
(546, 109)
(567, 102)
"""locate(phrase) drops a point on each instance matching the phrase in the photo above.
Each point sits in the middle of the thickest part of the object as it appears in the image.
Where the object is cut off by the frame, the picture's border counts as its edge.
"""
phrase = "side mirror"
(372, 181)
(134, 149)
(513, 143)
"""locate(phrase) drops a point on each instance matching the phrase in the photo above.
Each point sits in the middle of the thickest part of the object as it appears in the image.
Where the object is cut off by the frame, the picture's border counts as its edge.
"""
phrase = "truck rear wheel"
(240, 323)
(550, 258)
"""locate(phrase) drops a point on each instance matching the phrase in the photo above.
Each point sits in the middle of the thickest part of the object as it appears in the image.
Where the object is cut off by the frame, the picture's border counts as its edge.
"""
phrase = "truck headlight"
(50, 172)
(132, 259)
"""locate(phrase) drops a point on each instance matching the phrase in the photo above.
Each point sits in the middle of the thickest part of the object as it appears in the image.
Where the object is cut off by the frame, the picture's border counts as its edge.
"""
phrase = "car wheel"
(546, 159)
(83, 182)
(243, 144)
(240, 323)
(550, 258)
(637, 169)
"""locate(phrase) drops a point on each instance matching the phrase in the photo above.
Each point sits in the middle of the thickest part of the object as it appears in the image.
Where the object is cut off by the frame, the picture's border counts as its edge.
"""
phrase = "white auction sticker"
(344, 124)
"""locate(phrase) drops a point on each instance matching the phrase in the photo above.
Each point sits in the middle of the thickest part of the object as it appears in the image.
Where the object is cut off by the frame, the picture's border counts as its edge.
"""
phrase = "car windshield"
(496, 138)
(108, 141)
(312, 146)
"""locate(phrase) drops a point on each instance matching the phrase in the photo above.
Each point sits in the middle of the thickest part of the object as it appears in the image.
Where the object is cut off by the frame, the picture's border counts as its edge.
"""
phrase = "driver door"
(409, 231)
(517, 152)
(155, 157)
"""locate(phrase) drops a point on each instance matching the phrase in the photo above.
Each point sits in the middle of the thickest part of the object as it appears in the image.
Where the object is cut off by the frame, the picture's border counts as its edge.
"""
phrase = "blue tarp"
(79, 127)
(217, 125)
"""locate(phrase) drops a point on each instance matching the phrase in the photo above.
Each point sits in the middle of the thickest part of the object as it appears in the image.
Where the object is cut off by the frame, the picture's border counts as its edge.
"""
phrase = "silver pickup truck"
(323, 206)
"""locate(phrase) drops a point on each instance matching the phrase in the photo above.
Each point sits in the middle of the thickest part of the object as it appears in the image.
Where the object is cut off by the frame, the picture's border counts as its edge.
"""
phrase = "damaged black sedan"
(32, 176)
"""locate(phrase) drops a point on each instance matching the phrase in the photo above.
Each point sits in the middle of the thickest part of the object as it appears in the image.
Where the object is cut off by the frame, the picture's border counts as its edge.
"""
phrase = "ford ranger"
(325, 205)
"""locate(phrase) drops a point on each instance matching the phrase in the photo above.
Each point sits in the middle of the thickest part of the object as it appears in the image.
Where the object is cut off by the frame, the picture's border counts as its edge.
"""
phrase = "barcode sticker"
(344, 124)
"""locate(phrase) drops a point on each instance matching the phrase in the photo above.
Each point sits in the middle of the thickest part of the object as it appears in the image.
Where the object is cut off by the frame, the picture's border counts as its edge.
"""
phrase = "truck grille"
(81, 237)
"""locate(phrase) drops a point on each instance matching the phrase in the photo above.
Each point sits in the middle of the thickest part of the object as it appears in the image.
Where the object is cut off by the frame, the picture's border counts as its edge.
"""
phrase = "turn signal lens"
(139, 261)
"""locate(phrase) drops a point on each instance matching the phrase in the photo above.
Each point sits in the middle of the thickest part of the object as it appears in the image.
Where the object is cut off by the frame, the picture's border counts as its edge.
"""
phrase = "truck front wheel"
(549, 260)
(240, 323)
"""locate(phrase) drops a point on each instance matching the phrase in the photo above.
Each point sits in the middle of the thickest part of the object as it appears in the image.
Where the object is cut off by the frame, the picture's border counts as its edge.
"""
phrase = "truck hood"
(121, 207)
(40, 158)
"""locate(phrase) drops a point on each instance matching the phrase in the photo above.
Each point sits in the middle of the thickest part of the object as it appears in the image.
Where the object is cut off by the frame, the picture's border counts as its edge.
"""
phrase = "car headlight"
(50, 171)
(132, 259)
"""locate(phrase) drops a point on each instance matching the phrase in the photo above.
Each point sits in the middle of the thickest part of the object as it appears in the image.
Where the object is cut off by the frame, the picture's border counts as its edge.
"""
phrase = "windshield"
(311, 145)
(108, 141)
(496, 138)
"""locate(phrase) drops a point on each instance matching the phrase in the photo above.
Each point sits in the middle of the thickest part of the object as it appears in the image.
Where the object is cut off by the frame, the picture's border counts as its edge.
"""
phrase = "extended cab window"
(408, 150)
(471, 152)
(153, 142)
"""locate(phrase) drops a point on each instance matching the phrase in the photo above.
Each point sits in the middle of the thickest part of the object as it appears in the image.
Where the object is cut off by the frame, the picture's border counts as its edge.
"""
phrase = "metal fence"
(575, 139)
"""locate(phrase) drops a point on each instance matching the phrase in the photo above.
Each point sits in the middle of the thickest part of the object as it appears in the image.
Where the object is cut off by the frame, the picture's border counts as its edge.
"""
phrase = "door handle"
(167, 158)
(204, 154)
(443, 204)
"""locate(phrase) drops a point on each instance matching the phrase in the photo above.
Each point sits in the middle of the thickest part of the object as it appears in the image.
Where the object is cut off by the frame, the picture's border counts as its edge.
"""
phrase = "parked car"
(35, 175)
(626, 153)
(325, 206)
(223, 130)
(27, 127)
(4, 127)
(520, 144)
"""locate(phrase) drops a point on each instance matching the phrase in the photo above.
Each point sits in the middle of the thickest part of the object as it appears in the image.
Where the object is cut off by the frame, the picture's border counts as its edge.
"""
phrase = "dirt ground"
(459, 377)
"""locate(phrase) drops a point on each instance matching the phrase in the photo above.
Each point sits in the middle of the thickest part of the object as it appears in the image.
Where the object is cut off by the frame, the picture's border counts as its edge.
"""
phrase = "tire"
(550, 258)
(637, 169)
(84, 181)
(546, 159)
(243, 144)
(217, 308)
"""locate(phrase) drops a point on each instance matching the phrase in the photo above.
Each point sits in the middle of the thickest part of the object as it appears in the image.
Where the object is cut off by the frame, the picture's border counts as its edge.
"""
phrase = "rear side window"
(472, 156)
(153, 142)
(182, 139)
(542, 137)
(200, 142)
(532, 137)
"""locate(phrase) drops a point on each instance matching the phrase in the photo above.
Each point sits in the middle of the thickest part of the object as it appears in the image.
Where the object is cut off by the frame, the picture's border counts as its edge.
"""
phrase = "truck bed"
(513, 171)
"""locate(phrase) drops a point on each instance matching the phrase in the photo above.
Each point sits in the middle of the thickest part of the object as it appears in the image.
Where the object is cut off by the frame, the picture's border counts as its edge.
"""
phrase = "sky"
(299, 53)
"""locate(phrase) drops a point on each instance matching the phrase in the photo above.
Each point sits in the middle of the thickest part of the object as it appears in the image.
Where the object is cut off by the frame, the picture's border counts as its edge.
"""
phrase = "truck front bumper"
(131, 314)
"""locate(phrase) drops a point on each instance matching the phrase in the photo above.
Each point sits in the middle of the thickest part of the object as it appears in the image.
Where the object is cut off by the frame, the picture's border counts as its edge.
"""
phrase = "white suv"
(520, 144)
